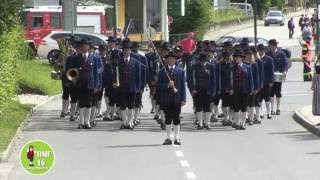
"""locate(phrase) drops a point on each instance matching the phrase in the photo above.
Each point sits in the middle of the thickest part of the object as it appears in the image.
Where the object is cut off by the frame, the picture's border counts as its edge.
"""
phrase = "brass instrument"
(73, 74)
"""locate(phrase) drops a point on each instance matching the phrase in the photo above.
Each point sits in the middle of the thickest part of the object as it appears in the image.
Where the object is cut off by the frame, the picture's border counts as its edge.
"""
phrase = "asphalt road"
(281, 33)
(277, 149)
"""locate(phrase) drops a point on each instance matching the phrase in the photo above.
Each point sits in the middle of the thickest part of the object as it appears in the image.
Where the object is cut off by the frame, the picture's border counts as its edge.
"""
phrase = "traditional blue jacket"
(261, 73)
(281, 62)
(166, 94)
(268, 69)
(134, 70)
(224, 76)
(255, 75)
(144, 68)
(247, 81)
(195, 78)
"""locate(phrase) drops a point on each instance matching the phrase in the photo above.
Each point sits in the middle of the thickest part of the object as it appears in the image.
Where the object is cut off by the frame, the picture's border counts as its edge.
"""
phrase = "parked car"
(242, 7)
(237, 40)
(274, 17)
(49, 48)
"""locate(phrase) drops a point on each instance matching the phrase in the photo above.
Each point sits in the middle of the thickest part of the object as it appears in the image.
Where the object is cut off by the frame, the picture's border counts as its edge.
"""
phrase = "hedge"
(12, 49)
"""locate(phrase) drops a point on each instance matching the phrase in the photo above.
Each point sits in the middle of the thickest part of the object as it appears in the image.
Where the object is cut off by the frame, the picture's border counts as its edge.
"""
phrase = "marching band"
(239, 78)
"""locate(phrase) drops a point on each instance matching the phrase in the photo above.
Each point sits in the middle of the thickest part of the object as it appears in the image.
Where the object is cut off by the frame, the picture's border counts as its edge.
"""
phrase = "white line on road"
(191, 175)
(289, 95)
(184, 163)
(179, 153)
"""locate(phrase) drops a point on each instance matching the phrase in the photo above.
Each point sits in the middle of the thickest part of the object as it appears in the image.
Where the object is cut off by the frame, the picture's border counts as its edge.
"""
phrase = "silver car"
(274, 17)
(49, 48)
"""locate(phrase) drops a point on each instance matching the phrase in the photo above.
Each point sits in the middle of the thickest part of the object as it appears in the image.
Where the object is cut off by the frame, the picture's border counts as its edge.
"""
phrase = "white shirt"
(127, 58)
(172, 67)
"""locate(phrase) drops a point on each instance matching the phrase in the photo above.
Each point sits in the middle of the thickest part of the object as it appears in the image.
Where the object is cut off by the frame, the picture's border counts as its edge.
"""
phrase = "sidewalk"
(305, 117)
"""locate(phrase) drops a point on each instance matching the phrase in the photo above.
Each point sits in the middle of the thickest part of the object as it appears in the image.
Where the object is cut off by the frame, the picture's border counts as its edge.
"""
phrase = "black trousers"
(307, 76)
(65, 92)
(138, 100)
(240, 102)
(276, 89)
(113, 96)
(251, 100)
(226, 99)
(127, 99)
(265, 93)
(257, 98)
(216, 99)
(86, 97)
(202, 101)
(291, 32)
(172, 113)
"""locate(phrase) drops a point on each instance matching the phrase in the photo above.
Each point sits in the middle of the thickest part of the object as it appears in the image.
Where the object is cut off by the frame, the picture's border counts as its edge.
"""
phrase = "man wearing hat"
(144, 79)
(165, 48)
(224, 86)
(241, 88)
(202, 86)
(268, 68)
(171, 83)
(153, 66)
(130, 84)
(307, 58)
(87, 82)
(280, 65)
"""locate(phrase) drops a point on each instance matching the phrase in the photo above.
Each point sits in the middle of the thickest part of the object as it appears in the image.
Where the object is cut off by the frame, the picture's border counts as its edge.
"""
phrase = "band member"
(108, 77)
(250, 61)
(202, 87)
(154, 68)
(98, 91)
(224, 85)
(268, 66)
(70, 63)
(241, 88)
(103, 55)
(280, 65)
(165, 48)
(144, 79)
(173, 96)
(307, 59)
(130, 84)
(86, 84)
(260, 85)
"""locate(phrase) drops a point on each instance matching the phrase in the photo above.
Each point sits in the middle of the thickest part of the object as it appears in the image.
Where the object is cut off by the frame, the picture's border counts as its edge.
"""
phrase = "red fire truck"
(40, 21)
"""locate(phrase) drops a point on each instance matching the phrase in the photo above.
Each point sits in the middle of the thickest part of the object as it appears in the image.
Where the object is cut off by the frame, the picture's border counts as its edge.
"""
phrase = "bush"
(12, 49)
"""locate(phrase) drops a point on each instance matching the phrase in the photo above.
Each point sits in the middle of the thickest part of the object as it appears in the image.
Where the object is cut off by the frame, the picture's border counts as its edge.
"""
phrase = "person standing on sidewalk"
(302, 22)
(291, 27)
(189, 45)
(307, 59)
(316, 89)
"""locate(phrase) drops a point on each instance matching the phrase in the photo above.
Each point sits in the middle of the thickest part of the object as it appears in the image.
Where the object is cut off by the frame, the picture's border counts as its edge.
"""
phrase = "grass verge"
(35, 76)
(10, 121)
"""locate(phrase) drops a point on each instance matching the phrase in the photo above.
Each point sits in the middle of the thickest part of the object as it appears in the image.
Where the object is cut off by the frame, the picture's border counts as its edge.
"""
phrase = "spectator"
(302, 22)
(291, 27)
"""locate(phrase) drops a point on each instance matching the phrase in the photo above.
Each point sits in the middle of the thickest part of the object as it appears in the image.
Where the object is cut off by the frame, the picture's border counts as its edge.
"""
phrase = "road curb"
(4, 156)
(302, 120)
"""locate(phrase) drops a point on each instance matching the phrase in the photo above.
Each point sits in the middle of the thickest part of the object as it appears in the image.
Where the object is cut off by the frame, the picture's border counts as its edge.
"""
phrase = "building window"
(37, 21)
(134, 11)
(55, 21)
(154, 14)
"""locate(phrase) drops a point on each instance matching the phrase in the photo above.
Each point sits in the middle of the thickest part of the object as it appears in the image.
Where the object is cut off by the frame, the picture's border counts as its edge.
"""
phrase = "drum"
(279, 77)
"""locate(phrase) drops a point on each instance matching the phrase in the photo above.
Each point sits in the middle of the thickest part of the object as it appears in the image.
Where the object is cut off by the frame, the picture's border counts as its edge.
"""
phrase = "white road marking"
(191, 175)
(184, 163)
(290, 95)
(179, 153)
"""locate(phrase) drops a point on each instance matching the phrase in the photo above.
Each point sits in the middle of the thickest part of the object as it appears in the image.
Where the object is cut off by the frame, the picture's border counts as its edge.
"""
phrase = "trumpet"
(73, 74)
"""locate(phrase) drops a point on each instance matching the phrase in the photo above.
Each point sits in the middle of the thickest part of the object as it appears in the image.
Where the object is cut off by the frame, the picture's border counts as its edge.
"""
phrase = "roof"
(59, 9)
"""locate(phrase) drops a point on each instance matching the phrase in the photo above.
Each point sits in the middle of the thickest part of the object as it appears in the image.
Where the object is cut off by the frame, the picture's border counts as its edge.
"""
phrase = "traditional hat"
(171, 54)
(237, 53)
(261, 47)
(273, 42)
(112, 39)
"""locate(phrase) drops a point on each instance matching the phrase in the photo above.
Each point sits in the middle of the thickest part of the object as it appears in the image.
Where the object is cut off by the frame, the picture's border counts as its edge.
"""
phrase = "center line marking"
(184, 163)
(191, 175)
(179, 153)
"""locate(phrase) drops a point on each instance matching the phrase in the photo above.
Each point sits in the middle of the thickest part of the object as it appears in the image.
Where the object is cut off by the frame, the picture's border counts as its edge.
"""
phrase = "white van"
(242, 7)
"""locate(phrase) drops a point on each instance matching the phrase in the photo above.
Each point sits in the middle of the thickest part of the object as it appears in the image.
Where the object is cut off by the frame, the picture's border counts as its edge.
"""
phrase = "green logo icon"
(37, 157)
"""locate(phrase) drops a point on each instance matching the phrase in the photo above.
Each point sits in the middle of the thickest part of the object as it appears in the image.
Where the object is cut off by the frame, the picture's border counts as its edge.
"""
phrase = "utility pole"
(246, 2)
(317, 28)
(255, 22)
(69, 8)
